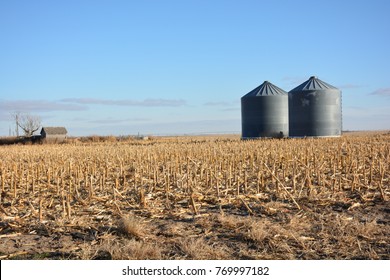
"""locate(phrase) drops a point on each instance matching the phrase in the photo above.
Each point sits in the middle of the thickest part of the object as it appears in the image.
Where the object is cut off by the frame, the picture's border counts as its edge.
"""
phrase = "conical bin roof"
(265, 89)
(314, 84)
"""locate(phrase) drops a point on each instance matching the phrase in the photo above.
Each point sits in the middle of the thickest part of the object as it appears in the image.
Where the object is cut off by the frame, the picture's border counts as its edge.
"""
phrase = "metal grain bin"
(315, 109)
(264, 112)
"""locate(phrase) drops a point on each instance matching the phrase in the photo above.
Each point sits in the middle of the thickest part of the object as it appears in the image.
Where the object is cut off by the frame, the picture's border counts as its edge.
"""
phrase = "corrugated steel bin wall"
(315, 110)
(264, 112)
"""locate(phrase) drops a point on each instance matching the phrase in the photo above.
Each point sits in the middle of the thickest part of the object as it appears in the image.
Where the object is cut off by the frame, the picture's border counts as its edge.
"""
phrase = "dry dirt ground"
(273, 230)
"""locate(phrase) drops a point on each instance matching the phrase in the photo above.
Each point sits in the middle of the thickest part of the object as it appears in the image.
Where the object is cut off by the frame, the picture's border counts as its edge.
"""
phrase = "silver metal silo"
(264, 112)
(315, 110)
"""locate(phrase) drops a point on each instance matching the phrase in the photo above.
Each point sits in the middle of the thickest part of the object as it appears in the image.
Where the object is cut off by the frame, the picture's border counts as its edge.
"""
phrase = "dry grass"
(131, 226)
(115, 249)
(199, 249)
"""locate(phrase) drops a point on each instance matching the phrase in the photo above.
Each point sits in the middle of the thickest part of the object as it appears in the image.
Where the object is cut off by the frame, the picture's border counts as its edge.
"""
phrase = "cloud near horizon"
(127, 102)
(117, 121)
(382, 92)
(218, 103)
(230, 109)
(78, 104)
(349, 86)
(38, 106)
(163, 128)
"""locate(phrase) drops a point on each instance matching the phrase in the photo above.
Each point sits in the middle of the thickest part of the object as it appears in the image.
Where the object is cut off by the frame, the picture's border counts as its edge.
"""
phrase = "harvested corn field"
(213, 197)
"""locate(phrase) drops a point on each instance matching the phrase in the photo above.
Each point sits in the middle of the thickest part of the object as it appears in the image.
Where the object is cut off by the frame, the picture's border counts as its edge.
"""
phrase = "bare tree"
(15, 117)
(28, 123)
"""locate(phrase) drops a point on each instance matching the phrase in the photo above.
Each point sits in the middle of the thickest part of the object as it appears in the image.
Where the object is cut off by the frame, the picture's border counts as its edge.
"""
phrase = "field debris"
(203, 197)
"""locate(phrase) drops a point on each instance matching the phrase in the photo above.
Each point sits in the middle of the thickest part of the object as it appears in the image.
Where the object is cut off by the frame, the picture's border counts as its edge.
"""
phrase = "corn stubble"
(225, 198)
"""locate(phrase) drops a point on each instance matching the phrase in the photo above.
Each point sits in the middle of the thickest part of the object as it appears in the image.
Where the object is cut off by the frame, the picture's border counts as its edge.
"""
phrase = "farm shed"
(315, 109)
(53, 134)
(264, 112)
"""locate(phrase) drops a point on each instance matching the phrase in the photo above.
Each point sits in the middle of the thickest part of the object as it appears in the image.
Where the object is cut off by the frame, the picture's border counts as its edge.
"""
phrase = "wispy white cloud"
(119, 121)
(4, 117)
(230, 109)
(127, 102)
(349, 86)
(38, 106)
(366, 118)
(381, 92)
(79, 119)
(163, 128)
(217, 103)
(224, 105)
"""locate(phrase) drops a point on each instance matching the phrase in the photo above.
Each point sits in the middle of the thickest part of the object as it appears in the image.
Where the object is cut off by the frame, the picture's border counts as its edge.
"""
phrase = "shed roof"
(265, 89)
(313, 83)
(54, 130)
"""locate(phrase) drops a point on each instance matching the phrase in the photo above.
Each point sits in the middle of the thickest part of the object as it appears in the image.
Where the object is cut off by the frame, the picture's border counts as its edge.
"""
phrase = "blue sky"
(176, 67)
